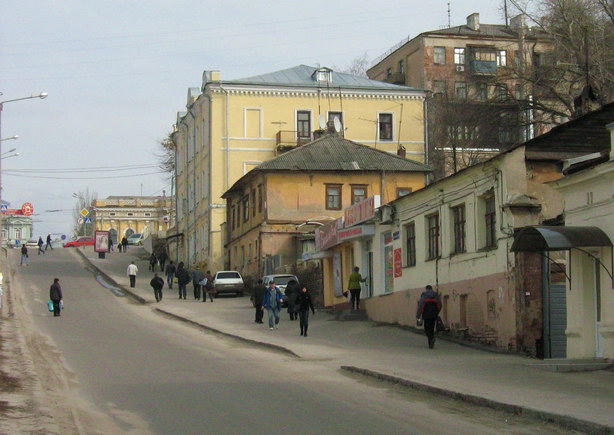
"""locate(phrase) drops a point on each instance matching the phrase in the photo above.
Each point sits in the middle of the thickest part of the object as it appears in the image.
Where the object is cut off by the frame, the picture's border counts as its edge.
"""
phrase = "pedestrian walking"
(110, 243)
(170, 274)
(48, 245)
(40, 245)
(197, 277)
(132, 270)
(152, 262)
(292, 291)
(162, 257)
(208, 288)
(354, 288)
(258, 299)
(55, 294)
(304, 303)
(428, 310)
(24, 255)
(183, 279)
(157, 284)
(272, 303)
(124, 244)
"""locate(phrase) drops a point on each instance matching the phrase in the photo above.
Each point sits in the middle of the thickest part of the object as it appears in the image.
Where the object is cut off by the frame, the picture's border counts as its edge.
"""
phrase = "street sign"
(27, 209)
(84, 212)
(87, 220)
(80, 220)
(4, 207)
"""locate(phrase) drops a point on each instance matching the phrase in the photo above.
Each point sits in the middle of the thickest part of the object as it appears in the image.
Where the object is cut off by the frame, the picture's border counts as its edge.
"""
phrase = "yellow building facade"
(126, 215)
(230, 127)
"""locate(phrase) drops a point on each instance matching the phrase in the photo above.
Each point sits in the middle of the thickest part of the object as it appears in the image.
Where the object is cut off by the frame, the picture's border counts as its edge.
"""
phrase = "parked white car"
(228, 281)
(135, 239)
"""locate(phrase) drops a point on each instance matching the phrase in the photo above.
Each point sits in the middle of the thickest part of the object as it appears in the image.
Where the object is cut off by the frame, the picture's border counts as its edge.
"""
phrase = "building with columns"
(126, 215)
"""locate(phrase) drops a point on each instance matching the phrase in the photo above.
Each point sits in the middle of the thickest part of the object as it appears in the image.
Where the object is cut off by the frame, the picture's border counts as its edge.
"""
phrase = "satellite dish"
(322, 122)
(337, 123)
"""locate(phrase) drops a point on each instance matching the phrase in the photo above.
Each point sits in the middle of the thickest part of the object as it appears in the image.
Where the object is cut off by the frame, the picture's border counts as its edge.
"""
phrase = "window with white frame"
(459, 56)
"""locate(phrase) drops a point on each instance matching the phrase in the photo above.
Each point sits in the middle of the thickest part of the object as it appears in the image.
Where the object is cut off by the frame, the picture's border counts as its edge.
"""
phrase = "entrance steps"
(350, 315)
(571, 364)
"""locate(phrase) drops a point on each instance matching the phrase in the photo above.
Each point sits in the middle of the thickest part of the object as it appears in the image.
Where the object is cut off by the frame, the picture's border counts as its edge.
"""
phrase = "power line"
(77, 170)
(82, 178)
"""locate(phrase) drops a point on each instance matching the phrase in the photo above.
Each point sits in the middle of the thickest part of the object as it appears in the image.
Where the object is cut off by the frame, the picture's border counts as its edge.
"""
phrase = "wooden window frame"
(380, 124)
(333, 186)
(490, 222)
(359, 186)
(459, 221)
(245, 208)
(435, 50)
(299, 122)
(410, 244)
(433, 234)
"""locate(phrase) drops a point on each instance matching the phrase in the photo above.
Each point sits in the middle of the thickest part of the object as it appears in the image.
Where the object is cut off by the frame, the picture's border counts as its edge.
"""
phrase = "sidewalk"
(583, 401)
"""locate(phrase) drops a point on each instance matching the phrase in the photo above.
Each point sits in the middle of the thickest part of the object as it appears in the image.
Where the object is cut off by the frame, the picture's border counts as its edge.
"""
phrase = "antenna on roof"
(449, 18)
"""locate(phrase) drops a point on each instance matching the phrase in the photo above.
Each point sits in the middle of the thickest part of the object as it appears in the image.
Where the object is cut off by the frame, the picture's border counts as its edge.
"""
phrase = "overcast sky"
(117, 72)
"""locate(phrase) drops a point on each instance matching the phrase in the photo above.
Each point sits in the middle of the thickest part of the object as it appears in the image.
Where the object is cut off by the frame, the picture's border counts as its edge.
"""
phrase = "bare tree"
(357, 66)
(166, 154)
(84, 200)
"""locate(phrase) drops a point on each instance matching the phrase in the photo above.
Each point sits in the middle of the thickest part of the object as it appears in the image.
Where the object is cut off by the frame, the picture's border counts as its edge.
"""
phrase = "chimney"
(401, 151)
(473, 21)
(518, 22)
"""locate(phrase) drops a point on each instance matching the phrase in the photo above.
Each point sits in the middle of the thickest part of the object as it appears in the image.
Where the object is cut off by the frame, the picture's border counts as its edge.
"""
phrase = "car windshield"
(284, 280)
(225, 275)
(135, 236)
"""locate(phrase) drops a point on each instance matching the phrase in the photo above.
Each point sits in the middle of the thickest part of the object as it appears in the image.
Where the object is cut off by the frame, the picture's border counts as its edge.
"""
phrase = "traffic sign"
(80, 220)
(85, 212)
(4, 207)
(87, 220)
(27, 209)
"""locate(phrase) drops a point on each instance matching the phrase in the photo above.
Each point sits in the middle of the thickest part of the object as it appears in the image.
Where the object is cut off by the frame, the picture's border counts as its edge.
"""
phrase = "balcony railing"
(484, 67)
(290, 139)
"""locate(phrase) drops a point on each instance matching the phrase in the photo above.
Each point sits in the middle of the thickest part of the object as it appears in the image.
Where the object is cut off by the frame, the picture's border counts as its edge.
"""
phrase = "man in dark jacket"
(429, 307)
(208, 288)
(162, 256)
(170, 274)
(183, 279)
(152, 262)
(197, 277)
(48, 245)
(157, 283)
(55, 294)
(258, 299)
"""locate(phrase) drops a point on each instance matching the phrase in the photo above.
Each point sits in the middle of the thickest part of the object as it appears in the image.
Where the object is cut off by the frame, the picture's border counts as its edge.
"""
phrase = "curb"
(131, 294)
(226, 334)
(564, 421)
(186, 320)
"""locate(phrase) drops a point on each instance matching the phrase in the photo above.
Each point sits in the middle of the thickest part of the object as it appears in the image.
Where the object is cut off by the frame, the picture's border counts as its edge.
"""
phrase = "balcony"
(484, 67)
(396, 78)
(287, 140)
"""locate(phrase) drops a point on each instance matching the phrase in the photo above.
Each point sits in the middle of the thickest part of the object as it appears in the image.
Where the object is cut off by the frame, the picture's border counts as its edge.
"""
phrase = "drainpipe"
(193, 180)
(227, 139)
(426, 138)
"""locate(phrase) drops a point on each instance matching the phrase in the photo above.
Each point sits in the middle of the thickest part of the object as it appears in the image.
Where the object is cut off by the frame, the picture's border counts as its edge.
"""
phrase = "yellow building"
(267, 207)
(231, 127)
(126, 215)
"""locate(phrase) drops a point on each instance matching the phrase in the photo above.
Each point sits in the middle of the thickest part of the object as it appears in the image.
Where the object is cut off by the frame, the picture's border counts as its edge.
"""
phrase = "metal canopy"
(553, 238)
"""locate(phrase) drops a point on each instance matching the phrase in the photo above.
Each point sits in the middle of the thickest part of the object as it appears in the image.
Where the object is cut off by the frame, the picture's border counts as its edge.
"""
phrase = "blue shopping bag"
(50, 305)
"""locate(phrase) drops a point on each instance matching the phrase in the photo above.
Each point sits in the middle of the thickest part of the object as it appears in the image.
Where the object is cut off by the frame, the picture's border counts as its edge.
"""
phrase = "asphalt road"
(148, 374)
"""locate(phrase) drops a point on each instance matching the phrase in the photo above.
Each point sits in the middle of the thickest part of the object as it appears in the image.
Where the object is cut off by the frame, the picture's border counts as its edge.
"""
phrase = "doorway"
(367, 262)
(554, 305)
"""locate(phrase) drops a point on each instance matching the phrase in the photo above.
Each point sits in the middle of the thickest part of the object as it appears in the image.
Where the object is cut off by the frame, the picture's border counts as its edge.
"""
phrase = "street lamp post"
(41, 95)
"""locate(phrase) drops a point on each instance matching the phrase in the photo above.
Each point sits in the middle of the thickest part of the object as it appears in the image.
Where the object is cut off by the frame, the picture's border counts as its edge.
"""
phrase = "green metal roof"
(303, 76)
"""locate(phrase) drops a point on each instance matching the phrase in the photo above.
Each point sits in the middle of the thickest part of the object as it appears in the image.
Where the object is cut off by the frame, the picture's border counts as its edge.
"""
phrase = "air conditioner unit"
(460, 68)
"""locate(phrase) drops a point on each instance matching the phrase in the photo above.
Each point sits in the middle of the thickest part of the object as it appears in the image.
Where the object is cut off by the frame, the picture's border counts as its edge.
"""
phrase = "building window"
(507, 128)
(303, 124)
(147, 214)
(385, 126)
(324, 75)
(402, 191)
(233, 219)
(260, 200)
(245, 208)
(458, 222)
(490, 221)
(336, 115)
(253, 202)
(130, 214)
(501, 92)
(402, 66)
(440, 87)
(460, 90)
(481, 92)
(359, 193)
(459, 56)
(333, 197)
(112, 213)
(439, 56)
(501, 58)
(243, 255)
(389, 73)
(432, 225)
(410, 244)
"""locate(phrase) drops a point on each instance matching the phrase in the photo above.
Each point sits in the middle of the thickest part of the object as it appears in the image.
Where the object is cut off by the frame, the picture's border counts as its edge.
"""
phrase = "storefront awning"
(552, 238)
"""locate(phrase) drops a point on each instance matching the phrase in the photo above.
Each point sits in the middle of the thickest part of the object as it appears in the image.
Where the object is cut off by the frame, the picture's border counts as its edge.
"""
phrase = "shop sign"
(326, 235)
(361, 211)
(355, 232)
(398, 263)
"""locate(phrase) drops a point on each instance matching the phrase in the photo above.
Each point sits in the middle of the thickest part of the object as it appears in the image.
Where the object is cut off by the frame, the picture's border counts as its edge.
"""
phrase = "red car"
(80, 241)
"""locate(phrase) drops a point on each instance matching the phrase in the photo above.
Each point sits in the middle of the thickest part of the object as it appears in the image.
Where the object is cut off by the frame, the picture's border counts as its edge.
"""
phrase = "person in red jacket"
(429, 307)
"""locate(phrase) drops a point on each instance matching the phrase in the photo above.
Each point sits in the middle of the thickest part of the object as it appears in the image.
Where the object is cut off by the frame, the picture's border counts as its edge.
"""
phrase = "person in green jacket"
(354, 288)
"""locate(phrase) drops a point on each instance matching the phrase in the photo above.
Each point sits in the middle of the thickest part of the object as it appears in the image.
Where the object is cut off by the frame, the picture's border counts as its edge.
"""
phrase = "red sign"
(326, 235)
(361, 211)
(27, 209)
(398, 263)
